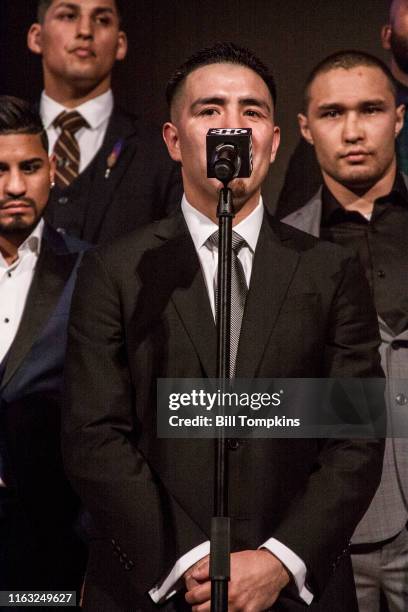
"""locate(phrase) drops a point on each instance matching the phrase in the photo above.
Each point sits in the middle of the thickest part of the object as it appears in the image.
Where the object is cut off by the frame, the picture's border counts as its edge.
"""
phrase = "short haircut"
(347, 60)
(44, 5)
(220, 53)
(17, 117)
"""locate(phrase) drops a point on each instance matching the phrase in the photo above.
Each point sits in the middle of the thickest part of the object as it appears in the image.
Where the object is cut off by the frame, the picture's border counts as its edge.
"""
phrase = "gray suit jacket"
(388, 512)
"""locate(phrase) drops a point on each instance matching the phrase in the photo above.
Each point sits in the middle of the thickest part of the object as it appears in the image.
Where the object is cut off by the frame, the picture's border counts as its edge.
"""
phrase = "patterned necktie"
(66, 149)
(239, 290)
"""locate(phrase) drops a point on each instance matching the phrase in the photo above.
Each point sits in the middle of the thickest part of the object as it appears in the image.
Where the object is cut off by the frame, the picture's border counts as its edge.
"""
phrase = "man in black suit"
(39, 548)
(143, 310)
(303, 176)
(113, 172)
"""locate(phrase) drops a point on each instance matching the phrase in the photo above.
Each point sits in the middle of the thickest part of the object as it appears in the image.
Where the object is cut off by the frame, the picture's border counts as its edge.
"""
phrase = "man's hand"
(257, 578)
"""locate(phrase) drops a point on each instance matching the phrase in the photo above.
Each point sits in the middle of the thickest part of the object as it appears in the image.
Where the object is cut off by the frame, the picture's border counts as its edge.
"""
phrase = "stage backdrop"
(290, 35)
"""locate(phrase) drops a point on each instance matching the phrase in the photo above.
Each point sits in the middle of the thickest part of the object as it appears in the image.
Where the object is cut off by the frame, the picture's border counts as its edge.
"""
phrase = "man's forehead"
(21, 146)
(85, 4)
(335, 80)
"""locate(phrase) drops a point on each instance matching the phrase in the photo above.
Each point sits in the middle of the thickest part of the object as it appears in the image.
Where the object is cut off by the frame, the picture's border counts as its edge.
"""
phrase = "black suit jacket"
(307, 315)
(143, 185)
(38, 546)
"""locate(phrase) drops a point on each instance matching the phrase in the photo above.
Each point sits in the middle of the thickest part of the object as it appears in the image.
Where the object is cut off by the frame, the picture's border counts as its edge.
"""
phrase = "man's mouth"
(83, 52)
(355, 155)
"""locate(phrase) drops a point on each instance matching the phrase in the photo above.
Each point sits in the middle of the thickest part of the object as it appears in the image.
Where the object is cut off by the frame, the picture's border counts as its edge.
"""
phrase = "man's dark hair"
(220, 53)
(17, 117)
(44, 5)
(347, 60)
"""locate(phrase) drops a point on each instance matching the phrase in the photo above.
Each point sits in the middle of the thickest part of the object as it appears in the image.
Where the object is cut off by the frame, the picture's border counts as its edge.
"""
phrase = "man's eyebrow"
(32, 160)
(340, 105)
(73, 6)
(255, 102)
(209, 100)
(222, 101)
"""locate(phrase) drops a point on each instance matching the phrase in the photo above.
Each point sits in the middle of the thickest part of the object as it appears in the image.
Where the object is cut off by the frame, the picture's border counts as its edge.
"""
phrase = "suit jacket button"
(63, 200)
(233, 444)
(401, 399)
(128, 566)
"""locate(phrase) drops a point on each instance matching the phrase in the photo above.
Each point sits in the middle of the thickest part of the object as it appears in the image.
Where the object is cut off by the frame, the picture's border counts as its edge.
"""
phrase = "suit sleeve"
(125, 498)
(320, 522)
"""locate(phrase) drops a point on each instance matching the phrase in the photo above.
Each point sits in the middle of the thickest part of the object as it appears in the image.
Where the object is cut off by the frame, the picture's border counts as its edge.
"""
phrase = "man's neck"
(398, 74)
(361, 200)
(70, 95)
(207, 206)
(9, 245)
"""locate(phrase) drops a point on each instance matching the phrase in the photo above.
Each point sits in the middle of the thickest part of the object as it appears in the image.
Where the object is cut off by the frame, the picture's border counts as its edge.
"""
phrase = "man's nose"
(353, 129)
(85, 27)
(15, 184)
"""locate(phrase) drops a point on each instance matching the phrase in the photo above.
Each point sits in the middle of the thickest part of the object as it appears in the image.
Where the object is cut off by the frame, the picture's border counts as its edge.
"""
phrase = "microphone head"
(229, 153)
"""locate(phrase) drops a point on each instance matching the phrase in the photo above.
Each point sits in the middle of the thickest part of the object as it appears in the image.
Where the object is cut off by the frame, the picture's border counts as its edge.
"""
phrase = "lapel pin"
(113, 157)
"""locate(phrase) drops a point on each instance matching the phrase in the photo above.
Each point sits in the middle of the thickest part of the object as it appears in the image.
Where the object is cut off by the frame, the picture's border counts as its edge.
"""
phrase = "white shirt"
(97, 113)
(15, 282)
(201, 228)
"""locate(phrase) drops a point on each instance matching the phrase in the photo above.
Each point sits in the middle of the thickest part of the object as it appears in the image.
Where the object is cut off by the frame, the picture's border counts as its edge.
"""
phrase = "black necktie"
(66, 149)
(239, 290)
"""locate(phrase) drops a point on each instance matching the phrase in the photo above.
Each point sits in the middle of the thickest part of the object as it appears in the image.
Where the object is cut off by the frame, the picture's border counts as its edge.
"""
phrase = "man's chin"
(17, 227)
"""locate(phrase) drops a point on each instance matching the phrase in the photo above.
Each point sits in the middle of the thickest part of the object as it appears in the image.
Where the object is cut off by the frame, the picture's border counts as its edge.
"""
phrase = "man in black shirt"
(303, 175)
(352, 119)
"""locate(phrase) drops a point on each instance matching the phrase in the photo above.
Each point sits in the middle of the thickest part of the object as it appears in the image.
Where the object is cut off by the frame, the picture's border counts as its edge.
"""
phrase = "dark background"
(290, 35)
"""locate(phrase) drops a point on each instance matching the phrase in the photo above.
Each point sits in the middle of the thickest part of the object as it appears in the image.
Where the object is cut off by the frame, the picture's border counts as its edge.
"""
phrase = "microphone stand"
(220, 524)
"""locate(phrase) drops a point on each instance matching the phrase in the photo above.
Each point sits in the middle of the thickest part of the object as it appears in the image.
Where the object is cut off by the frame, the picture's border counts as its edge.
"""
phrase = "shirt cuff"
(293, 563)
(169, 586)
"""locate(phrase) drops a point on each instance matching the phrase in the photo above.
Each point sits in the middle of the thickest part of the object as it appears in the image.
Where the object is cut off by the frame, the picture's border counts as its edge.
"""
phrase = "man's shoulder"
(131, 123)
(131, 246)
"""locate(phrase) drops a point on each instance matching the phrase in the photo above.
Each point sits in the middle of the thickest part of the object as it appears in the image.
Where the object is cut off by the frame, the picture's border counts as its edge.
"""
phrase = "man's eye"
(208, 112)
(372, 110)
(66, 16)
(331, 114)
(252, 113)
(103, 21)
(30, 168)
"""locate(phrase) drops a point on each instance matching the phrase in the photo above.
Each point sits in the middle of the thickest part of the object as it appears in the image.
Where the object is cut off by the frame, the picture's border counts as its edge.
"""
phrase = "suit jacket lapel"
(307, 218)
(120, 128)
(53, 269)
(272, 272)
(186, 287)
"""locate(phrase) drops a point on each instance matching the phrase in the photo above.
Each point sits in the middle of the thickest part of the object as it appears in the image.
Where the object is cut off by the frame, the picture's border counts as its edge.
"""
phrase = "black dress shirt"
(382, 245)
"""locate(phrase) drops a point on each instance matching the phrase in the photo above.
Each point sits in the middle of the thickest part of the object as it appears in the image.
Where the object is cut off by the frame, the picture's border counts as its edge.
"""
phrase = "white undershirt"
(97, 113)
(201, 228)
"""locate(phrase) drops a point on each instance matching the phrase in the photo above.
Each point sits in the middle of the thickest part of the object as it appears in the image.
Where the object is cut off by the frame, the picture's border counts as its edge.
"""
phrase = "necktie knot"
(237, 241)
(71, 121)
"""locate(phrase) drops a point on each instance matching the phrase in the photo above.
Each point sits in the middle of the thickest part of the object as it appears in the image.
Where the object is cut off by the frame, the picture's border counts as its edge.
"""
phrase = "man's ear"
(400, 114)
(304, 128)
(121, 51)
(171, 138)
(275, 143)
(53, 166)
(386, 32)
(34, 38)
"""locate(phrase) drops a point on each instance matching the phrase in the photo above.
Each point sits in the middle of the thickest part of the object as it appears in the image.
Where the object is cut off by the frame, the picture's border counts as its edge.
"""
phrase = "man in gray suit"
(352, 119)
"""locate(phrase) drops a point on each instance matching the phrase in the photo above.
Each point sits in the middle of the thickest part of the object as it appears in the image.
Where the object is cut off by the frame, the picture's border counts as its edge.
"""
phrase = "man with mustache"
(303, 176)
(352, 116)
(113, 173)
(38, 545)
(144, 309)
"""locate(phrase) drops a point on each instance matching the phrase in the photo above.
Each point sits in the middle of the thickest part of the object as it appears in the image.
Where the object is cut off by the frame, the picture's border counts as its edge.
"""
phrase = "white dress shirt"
(97, 113)
(201, 228)
(15, 282)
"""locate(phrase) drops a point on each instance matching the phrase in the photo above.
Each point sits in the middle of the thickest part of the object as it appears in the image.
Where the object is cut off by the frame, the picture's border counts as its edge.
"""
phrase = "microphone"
(229, 153)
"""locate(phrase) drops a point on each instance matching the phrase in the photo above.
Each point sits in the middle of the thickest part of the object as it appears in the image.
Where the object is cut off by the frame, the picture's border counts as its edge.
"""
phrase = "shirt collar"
(31, 244)
(95, 111)
(201, 227)
(333, 212)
